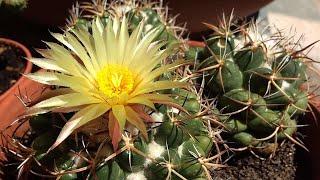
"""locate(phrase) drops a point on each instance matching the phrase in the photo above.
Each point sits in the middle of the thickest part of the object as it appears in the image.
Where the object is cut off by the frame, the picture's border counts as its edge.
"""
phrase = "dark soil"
(283, 166)
(11, 66)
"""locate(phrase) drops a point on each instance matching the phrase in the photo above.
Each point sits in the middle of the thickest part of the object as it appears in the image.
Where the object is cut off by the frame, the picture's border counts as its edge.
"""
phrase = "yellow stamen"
(114, 80)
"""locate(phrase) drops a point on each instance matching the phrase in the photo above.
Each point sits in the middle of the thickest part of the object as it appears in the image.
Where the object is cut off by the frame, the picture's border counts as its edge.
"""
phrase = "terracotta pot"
(28, 66)
(196, 44)
(10, 105)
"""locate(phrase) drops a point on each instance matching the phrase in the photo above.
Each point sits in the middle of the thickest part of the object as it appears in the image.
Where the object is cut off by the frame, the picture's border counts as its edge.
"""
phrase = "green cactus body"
(220, 45)
(250, 58)
(265, 122)
(292, 68)
(245, 139)
(194, 127)
(237, 99)
(195, 53)
(191, 105)
(151, 20)
(257, 76)
(190, 166)
(188, 100)
(257, 91)
(282, 97)
(204, 142)
(169, 159)
(109, 172)
(235, 126)
(230, 77)
(171, 134)
(289, 129)
(300, 103)
(131, 161)
(43, 142)
(70, 162)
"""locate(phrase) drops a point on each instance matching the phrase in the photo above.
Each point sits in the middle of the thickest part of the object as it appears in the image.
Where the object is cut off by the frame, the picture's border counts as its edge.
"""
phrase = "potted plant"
(13, 87)
(131, 101)
(259, 81)
(13, 64)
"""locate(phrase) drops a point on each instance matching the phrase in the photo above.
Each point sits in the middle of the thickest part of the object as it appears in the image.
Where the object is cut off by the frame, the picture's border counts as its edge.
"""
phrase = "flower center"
(114, 80)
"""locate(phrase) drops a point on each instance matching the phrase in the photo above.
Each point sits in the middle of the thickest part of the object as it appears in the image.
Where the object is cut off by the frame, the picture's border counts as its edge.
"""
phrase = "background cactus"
(153, 14)
(13, 6)
(257, 81)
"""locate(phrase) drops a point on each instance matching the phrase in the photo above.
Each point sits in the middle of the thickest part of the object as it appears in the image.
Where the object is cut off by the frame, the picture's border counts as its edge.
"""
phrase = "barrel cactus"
(153, 14)
(257, 82)
(116, 134)
(95, 125)
(13, 6)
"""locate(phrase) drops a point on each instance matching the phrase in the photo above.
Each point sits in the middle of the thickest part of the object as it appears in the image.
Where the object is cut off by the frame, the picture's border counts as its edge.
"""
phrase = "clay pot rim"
(27, 69)
(196, 43)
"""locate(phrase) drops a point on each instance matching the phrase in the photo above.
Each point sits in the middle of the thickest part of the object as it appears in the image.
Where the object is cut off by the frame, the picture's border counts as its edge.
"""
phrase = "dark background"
(33, 24)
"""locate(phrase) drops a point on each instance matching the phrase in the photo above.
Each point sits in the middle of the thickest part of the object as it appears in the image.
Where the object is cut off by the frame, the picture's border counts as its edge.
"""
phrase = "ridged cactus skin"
(259, 96)
(175, 148)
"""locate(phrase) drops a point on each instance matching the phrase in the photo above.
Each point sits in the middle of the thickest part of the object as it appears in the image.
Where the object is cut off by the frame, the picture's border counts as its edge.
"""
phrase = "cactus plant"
(258, 90)
(170, 131)
(178, 147)
(13, 5)
(173, 141)
(153, 14)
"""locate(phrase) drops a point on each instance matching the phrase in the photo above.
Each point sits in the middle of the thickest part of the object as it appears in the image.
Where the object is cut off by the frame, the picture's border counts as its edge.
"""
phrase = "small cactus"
(13, 5)
(259, 97)
(152, 14)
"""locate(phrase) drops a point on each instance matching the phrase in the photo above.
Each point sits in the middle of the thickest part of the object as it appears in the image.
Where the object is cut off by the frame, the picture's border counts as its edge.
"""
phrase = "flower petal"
(78, 84)
(132, 43)
(99, 44)
(64, 59)
(134, 119)
(157, 97)
(123, 39)
(86, 39)
(156, 86)
(120, 114)
(159, 71)
(110, 43)
(82, 117)
(141, 100)
(47, 64)
(67, 100)
(114, 131)
(139, 55)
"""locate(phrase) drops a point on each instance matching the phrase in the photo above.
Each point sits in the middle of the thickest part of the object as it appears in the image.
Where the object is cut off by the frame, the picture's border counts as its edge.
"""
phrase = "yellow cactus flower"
(106, 72)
